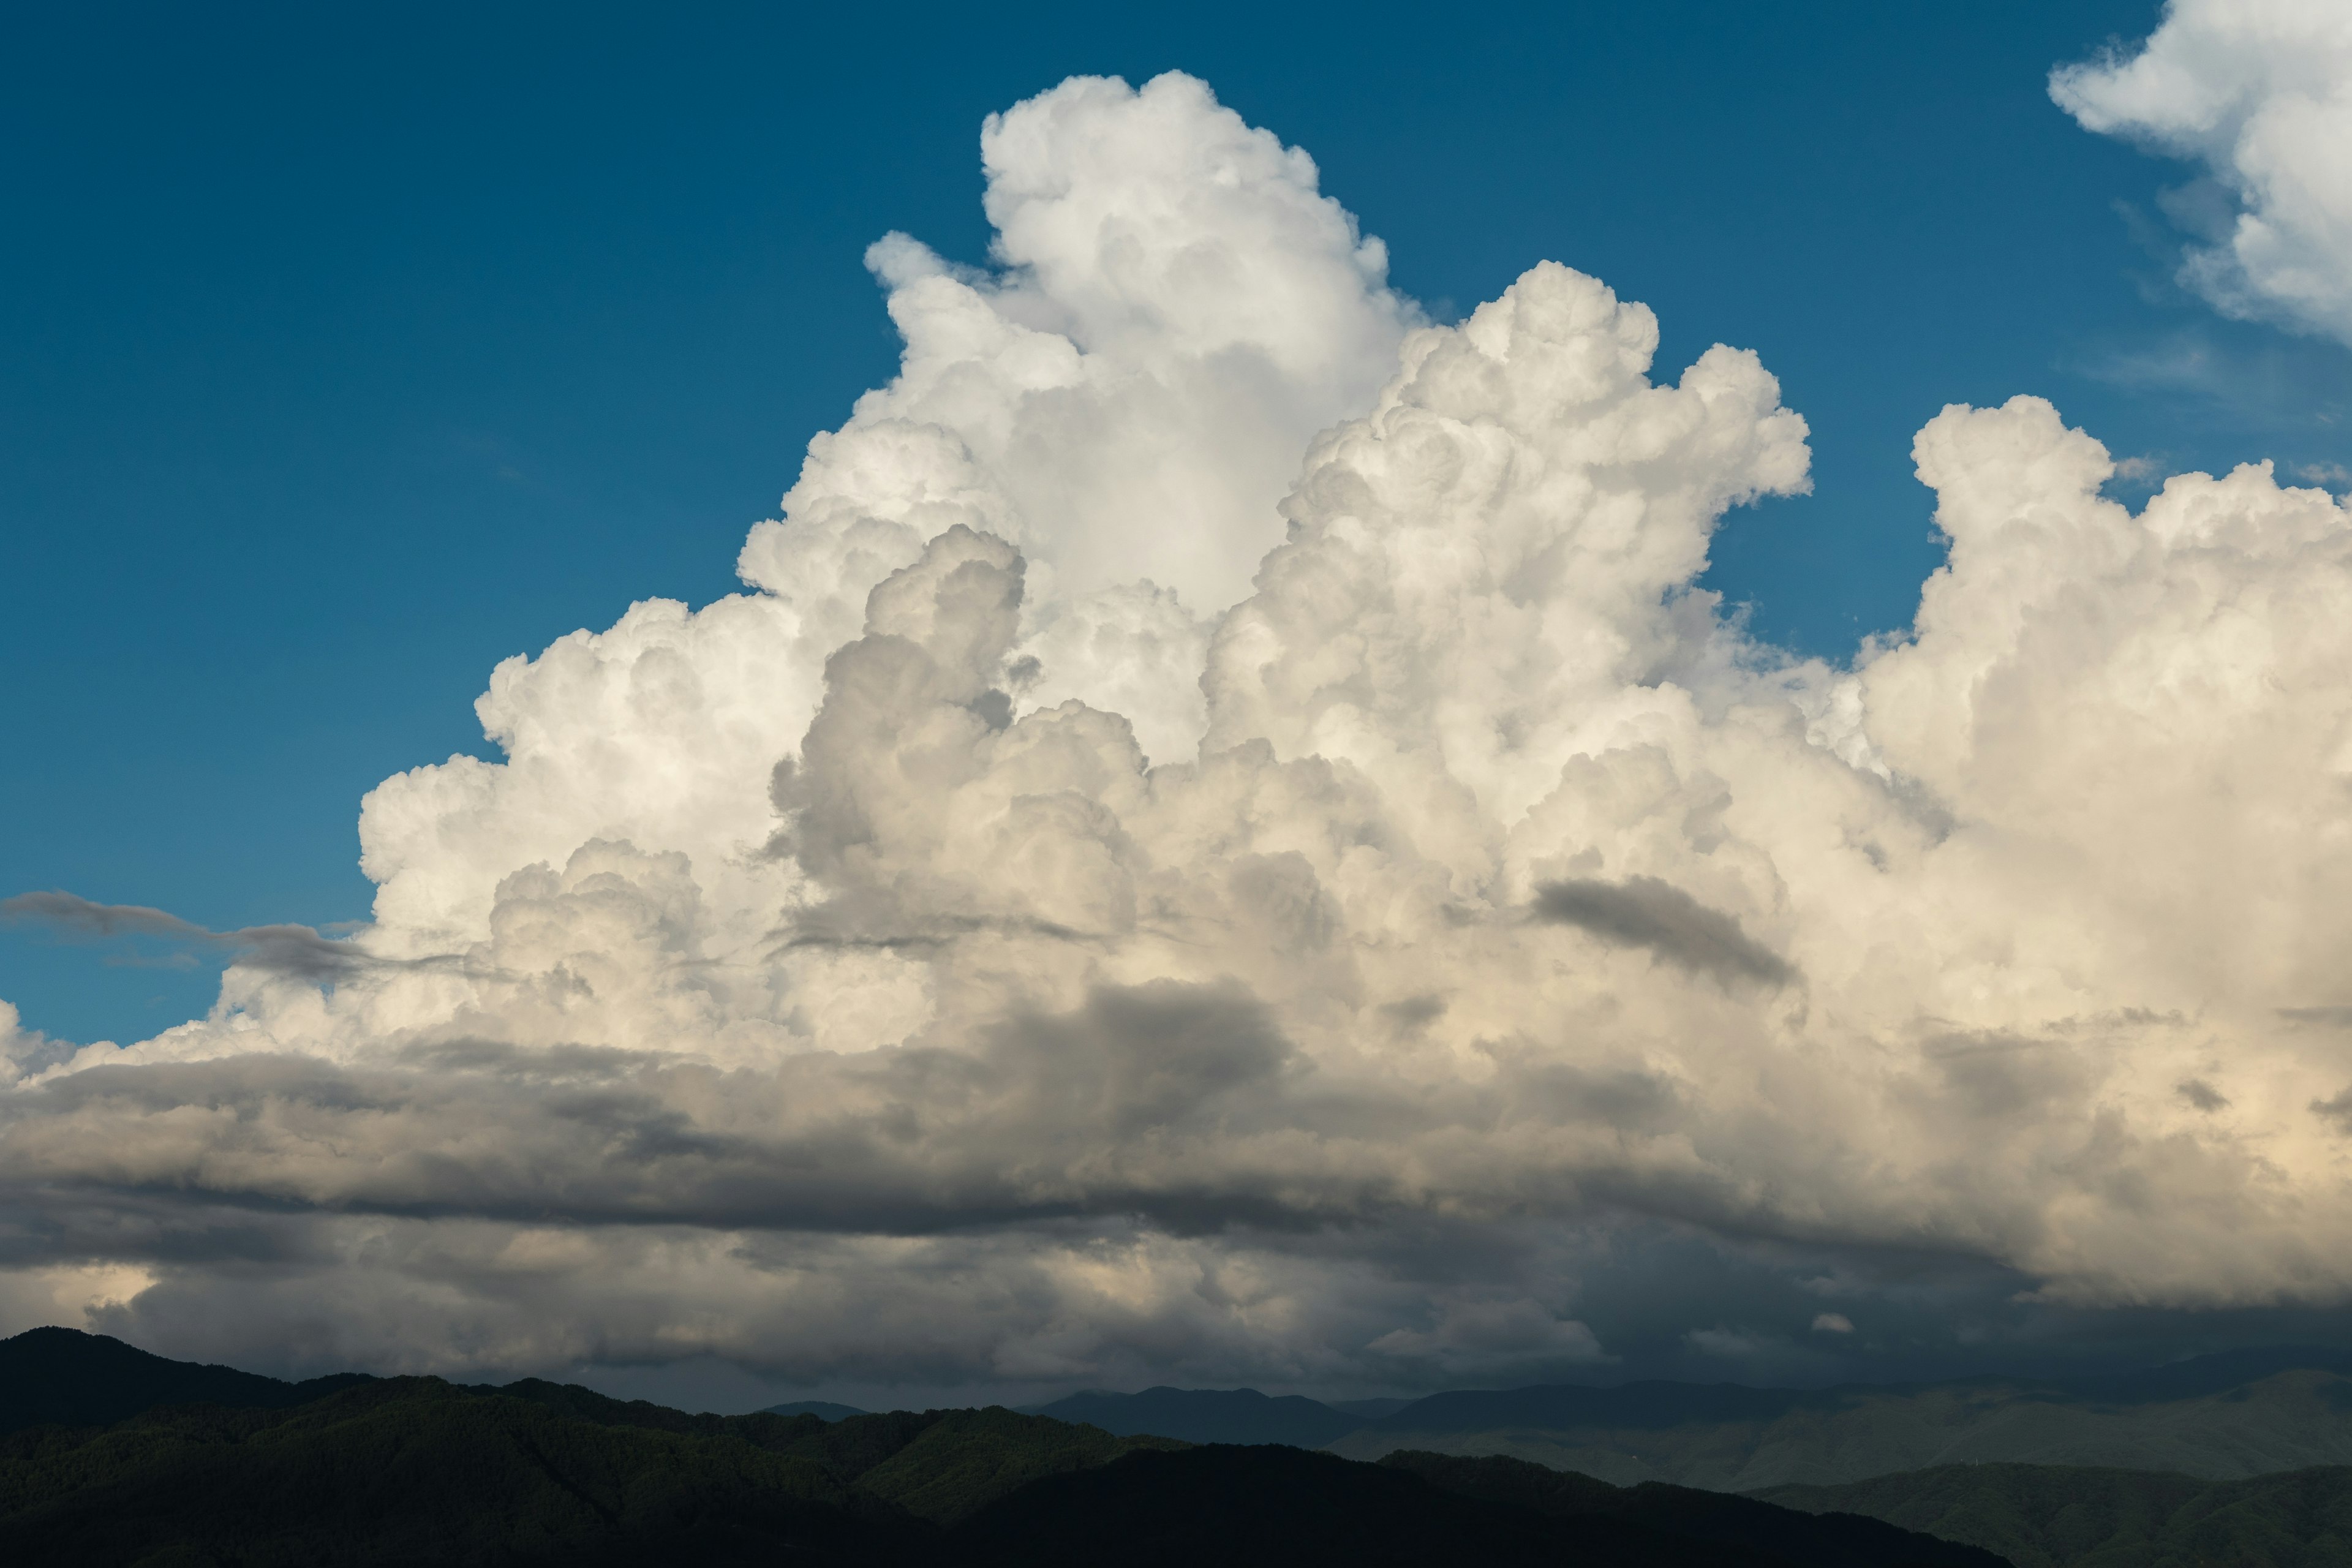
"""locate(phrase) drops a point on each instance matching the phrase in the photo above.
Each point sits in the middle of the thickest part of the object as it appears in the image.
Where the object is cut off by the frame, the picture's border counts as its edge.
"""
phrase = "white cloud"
(78, 1296)
(2259, 92)
(825, 981)
(1833, 1323)
(1176, 312)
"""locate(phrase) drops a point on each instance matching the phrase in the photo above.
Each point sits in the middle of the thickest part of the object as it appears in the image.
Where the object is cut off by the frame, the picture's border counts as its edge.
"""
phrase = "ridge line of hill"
(133, 1426)
(418, 1470)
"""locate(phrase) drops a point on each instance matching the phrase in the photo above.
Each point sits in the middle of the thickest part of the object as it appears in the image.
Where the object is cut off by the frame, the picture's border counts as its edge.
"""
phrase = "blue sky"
(350, 352)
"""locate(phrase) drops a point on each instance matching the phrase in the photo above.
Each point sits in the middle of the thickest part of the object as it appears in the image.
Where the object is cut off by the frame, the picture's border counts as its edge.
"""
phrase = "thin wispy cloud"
(295, 950)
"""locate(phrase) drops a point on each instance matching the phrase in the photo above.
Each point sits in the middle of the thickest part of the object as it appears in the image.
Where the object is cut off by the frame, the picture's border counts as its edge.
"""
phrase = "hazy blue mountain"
(823, 1410)
(2215, 1374)
(2217, 1417)
(63, 1377)
(1368, 1409)
(2045, 1516)
(1209, 1415)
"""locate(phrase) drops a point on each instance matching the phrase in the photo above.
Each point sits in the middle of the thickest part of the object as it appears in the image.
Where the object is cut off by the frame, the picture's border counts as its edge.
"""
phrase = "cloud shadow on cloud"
(1660, 918)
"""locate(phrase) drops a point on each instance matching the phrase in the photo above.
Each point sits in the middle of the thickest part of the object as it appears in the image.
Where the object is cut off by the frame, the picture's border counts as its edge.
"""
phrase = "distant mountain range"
(1210, 1416)
(415, 1470)
(109, 1455)
(2217, 1417)
(822, 1409)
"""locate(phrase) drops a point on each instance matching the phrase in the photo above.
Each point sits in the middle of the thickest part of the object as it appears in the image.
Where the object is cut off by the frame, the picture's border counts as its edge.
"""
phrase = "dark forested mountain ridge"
(111, 1455)
(1833, 1538)
(2047, 1516)
(1274, 1507)
(415, 1470)
(412, 1471)
(62, 1377)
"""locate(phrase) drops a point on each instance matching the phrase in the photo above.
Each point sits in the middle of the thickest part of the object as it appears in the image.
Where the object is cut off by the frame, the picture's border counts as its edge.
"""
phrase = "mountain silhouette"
(63, 1377)
(379, 1471)
(822, 1409)
(1208, 1416)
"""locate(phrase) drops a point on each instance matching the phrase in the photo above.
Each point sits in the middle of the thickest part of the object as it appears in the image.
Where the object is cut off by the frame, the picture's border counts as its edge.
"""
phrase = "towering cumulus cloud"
(1225, 840)
(2260, 91)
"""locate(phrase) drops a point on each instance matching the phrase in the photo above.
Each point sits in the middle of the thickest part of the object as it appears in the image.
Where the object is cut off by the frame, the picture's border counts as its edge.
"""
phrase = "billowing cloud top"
(2260, 91)
(1015, 943)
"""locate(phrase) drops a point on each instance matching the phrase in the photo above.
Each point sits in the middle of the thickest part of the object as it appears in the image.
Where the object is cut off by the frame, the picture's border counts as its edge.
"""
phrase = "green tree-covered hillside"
(2053, 1516)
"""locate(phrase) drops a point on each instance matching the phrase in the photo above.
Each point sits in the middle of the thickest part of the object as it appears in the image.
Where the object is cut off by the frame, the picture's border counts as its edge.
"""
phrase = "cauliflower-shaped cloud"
(1107, 900)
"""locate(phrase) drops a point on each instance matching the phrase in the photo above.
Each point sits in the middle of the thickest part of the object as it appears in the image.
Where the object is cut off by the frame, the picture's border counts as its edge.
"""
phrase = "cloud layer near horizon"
(1013, 941)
